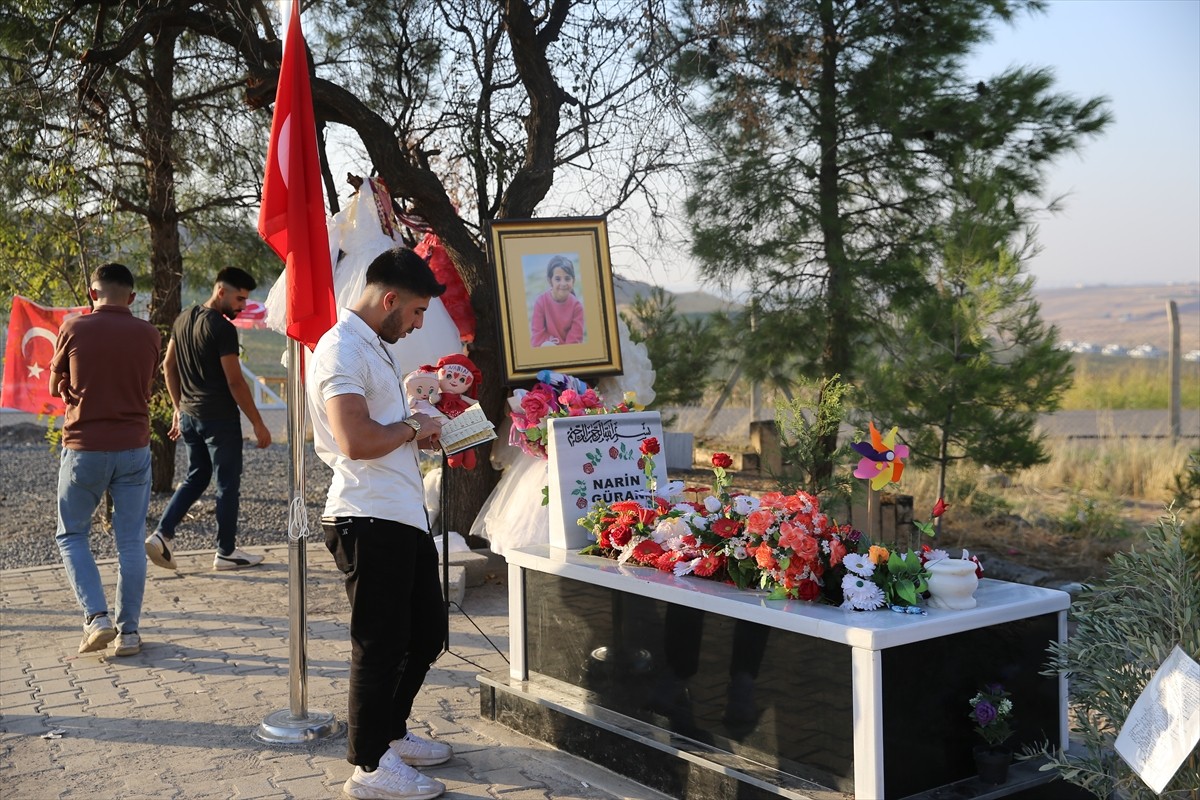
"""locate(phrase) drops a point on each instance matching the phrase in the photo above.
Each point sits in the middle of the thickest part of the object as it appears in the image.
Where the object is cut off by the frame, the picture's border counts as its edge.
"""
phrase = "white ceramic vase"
(952, 584)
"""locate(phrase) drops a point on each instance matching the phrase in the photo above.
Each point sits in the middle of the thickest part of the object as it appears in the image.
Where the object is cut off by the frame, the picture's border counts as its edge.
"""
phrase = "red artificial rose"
(939, 508)
(722, 460)
(726, 528)
(808, 591)
(650, 446)
(620, 535)
(535, 406)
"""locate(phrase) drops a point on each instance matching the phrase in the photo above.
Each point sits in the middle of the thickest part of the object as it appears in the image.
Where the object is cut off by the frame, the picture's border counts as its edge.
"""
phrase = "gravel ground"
(29, 490)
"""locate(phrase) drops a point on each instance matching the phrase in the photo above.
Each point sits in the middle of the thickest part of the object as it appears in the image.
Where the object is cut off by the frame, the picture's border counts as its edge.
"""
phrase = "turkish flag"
(32, 335)
(292, 216)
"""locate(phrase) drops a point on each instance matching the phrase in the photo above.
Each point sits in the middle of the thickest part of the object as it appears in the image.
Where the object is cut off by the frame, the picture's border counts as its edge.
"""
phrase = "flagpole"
(297, 724)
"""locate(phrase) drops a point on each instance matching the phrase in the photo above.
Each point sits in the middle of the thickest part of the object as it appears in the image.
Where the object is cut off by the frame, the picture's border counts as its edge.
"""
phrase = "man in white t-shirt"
(376, 527)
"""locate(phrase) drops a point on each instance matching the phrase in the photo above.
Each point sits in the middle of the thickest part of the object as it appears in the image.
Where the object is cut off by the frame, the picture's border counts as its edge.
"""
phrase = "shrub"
(1126, 625)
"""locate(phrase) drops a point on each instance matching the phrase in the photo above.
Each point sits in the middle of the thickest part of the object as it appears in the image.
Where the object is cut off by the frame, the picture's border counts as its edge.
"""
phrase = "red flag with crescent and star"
(32, 335)
(292, 216)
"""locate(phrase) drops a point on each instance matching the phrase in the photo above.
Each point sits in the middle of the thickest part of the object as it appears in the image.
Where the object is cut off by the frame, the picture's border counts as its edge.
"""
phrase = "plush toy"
(458, 379)
(421, 386)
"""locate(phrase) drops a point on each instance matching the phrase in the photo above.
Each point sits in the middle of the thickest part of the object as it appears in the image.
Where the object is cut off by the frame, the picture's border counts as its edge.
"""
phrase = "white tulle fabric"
(355, 234)
(513, 515)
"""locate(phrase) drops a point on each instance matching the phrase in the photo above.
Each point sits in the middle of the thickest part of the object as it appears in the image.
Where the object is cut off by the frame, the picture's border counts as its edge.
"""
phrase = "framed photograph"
(557, 309)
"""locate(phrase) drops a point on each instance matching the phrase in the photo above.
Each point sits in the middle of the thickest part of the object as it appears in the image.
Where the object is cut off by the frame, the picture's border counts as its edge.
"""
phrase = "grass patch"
(1105, 382)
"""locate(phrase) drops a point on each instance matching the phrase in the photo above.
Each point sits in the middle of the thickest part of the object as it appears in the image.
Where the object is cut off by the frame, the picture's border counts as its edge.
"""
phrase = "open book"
(468, 429)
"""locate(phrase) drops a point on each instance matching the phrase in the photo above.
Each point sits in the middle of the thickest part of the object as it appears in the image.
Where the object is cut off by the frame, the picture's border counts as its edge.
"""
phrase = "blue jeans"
(213, 445)
(83, 477)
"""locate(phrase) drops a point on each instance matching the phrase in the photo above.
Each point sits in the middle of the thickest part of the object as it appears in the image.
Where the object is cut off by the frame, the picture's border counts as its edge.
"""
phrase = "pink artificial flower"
(759, 521)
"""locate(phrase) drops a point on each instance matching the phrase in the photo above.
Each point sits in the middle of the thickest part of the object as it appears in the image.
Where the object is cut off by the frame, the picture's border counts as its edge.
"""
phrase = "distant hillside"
(627, 291)
(1124, 315)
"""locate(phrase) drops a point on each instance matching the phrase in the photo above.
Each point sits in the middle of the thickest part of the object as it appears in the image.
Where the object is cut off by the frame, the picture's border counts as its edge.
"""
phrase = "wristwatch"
(415, 424)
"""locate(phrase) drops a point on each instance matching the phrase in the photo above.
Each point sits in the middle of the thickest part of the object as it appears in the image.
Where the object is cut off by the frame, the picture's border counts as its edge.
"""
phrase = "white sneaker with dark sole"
(159, 551)
(238, 559)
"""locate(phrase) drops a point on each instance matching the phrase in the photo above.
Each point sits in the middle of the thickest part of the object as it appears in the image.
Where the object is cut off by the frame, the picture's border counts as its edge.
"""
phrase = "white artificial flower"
(744, 504)
(739, 552)
(1004, 707)
(670, 528)
(935, 555)
(859, 564)
(712, 504)
(861, 594)
(685, 567)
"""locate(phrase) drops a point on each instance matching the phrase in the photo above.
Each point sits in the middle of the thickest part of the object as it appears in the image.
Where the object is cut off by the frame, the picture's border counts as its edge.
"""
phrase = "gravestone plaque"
(597, 458)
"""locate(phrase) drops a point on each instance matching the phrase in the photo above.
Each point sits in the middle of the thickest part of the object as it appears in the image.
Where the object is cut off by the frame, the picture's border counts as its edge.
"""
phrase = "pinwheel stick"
(872, 511)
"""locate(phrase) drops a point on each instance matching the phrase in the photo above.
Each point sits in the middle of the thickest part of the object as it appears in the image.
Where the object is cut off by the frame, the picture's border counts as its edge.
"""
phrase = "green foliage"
(682, 350)
(1092, 514)
(1187, 500)
(835, 132)
(1124, 627)
(803, 423)
(969, 364)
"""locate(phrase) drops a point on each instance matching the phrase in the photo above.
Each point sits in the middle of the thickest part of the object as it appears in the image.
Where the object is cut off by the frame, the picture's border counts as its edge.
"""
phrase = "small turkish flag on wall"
(32, 334)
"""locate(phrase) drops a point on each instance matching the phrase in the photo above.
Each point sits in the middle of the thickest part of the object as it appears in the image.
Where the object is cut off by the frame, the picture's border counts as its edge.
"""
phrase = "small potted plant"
(991, 711)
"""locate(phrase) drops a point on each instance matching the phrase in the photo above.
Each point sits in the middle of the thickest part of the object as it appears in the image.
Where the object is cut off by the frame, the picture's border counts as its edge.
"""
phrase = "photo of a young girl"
(557, 314)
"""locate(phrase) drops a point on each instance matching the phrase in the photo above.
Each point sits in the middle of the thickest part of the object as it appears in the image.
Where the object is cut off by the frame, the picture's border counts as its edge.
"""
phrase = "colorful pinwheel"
(882, 458)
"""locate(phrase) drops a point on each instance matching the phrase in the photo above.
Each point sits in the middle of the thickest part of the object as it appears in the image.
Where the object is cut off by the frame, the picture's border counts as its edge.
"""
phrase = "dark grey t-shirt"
(202, 336)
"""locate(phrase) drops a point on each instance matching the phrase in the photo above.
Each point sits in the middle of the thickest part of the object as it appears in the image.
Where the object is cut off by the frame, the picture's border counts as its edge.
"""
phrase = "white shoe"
(97, 634)
(391, 780)
(418, 752)
(238, 559)
(127, 644)
(159, 551)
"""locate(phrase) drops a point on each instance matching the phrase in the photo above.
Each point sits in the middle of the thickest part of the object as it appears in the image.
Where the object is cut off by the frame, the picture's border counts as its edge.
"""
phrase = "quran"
(468, 429)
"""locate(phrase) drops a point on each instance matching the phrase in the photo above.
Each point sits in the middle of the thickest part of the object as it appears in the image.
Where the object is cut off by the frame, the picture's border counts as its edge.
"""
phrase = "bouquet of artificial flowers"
(554, 395)
(991, 711)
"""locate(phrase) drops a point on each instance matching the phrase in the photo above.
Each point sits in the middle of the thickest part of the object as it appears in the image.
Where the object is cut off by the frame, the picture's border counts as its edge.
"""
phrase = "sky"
(1132, 211)
(1131, 214)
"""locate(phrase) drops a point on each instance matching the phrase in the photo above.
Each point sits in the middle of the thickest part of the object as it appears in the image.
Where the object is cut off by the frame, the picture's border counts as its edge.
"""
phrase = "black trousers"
(397, 625)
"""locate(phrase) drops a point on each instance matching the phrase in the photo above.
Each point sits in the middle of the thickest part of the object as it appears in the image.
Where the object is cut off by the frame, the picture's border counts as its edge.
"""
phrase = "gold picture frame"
(535, 259)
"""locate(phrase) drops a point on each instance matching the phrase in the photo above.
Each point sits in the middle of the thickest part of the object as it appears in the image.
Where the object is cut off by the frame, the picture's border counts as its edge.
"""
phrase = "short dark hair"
(113, 273)
(401, 268)
(237, 278)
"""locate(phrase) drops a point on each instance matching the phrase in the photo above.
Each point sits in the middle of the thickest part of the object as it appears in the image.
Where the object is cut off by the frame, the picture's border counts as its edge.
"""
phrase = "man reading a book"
(376, 527)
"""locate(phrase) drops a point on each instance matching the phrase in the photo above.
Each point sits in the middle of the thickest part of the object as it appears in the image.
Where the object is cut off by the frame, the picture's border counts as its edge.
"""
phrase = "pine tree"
(834, 127)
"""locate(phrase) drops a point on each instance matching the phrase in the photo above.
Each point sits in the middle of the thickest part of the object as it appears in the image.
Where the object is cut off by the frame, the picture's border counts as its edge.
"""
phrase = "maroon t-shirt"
(110, 357)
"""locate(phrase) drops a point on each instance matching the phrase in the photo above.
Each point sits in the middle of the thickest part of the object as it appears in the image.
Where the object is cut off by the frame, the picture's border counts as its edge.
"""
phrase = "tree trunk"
(839, 298)
(166, 260)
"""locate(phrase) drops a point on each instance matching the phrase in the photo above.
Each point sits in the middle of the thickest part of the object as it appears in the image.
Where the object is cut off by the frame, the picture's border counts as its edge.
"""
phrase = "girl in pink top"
(557, 313)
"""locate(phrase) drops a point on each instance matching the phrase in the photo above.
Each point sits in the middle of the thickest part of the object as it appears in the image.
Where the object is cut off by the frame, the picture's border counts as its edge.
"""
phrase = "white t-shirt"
(351, 359)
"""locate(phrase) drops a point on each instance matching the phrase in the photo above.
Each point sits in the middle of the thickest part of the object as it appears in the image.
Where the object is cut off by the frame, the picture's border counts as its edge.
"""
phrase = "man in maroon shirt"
(103, 369)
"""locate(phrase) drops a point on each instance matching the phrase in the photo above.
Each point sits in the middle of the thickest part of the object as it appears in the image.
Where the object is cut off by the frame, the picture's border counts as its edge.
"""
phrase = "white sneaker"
(391, 780)
(97, 634)
(418, 752)
(159, 551)
(238, 559)
(127, 644)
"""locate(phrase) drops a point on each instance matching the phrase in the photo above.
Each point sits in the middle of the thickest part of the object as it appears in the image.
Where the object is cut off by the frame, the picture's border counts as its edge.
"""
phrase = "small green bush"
(1125, 627)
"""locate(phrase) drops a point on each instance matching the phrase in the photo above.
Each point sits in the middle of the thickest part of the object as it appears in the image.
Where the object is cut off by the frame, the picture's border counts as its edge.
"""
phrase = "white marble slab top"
(998, 601)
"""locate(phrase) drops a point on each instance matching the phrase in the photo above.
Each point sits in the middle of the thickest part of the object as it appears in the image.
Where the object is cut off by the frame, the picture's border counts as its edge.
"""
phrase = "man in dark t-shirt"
(103, 369)
(207, 388)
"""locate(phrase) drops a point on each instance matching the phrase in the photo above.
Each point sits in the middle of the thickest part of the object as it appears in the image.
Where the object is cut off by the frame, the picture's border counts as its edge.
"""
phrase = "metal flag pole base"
(282, 727)
(297, 723)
